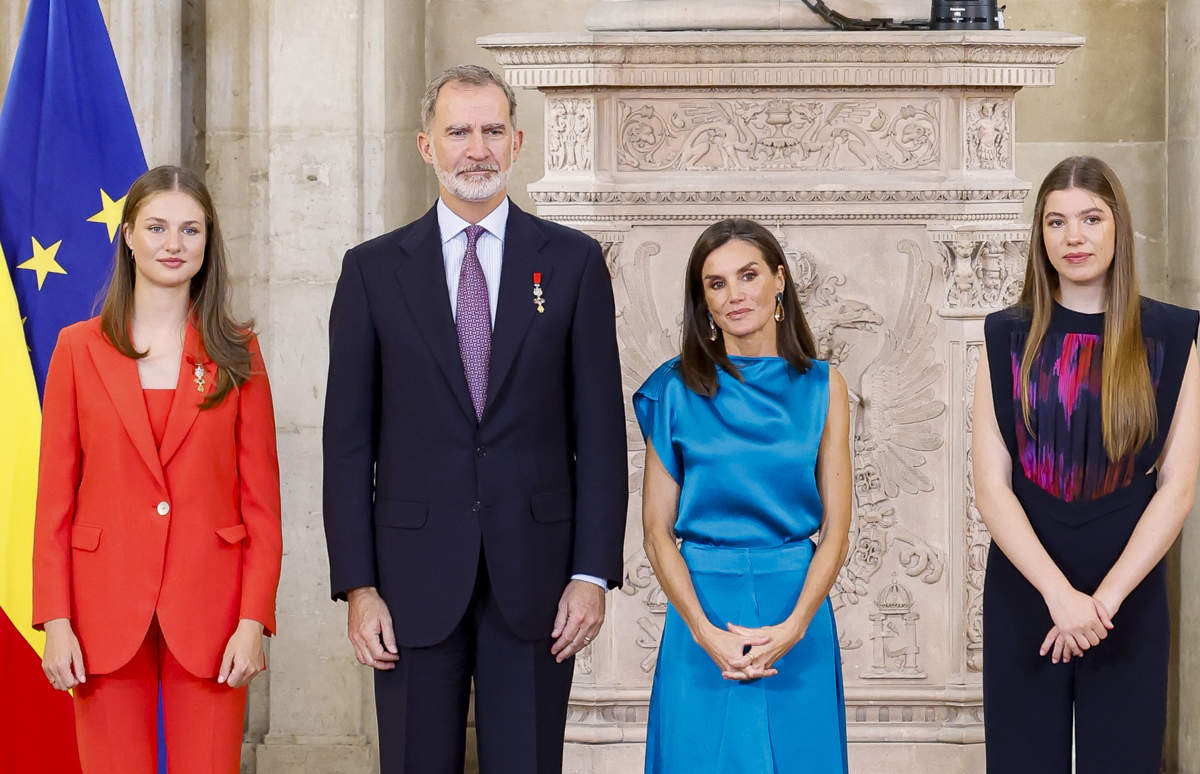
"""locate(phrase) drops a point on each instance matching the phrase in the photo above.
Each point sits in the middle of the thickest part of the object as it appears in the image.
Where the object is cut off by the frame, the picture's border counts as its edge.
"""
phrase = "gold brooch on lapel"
(539, 299)
(199, 377)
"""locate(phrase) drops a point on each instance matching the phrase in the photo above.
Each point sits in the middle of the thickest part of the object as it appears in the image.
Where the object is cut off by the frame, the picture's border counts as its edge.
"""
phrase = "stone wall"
(304, 113)
(1183, 280)
(1110, 102)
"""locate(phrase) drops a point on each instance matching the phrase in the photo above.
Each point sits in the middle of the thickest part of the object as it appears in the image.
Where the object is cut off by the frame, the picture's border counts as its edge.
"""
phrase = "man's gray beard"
(471, 190)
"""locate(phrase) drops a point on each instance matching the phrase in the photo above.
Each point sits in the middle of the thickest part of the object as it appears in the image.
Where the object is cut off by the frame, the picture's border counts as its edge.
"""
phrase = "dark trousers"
(1118, 690)
(520, 699)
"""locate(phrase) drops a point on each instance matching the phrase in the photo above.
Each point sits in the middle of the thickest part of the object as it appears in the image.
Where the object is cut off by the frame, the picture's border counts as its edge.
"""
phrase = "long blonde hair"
(1129, 417)
(225, 340)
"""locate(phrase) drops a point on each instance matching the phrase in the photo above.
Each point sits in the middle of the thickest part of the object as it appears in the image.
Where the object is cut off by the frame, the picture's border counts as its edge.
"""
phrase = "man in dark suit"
(474, 446)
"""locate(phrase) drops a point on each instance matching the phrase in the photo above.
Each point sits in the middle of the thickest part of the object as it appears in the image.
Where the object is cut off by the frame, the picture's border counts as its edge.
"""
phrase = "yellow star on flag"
(43, 261)
(109, 214)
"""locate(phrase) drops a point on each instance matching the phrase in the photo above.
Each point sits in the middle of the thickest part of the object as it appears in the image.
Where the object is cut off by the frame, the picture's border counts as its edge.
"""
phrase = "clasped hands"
(1080, 623)
(746, 653)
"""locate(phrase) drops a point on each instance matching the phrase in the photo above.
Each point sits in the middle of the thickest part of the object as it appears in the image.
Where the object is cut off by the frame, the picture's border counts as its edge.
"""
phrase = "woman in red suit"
(157, 544)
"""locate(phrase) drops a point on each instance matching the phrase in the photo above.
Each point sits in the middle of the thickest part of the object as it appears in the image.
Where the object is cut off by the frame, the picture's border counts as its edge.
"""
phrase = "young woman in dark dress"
(1086, 448)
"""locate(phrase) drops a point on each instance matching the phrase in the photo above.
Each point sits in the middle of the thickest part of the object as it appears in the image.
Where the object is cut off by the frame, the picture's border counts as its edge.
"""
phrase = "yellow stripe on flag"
(21, 418)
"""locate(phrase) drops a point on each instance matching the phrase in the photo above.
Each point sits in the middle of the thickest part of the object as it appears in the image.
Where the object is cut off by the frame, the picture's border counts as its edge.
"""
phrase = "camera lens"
(964, 15)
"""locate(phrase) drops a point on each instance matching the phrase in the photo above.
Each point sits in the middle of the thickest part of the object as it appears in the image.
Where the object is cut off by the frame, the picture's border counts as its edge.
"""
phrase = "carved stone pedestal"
(884, 164)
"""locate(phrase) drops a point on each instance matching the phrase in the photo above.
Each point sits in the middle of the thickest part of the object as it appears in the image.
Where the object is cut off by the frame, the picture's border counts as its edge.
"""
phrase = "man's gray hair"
(473, 75)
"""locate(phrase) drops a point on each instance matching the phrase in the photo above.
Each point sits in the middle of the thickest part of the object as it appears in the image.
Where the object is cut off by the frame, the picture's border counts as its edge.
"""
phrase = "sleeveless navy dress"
(745, 461)
(1083, 508)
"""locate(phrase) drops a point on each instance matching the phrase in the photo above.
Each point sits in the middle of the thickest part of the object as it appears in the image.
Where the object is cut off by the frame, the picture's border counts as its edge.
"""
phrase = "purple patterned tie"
(474, 321)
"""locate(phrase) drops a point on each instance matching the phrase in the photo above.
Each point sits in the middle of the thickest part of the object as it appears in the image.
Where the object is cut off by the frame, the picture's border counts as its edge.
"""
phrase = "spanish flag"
(69, 150)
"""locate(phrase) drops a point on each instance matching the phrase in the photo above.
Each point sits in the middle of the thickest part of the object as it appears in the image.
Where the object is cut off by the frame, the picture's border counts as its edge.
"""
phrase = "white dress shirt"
(490, 249)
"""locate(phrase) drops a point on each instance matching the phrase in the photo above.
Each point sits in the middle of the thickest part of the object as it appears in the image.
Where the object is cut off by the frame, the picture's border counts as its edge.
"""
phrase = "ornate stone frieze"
(767, 58)
(607, 714)
(793, 196)
(778, 216)
(984, 270)
(569, 126)
(611, 714)
(785, 134)
(989, 132)
(883, 162)
(639, 578)
(894, 643)
(610, 244)
(976, 537)
(894, 415)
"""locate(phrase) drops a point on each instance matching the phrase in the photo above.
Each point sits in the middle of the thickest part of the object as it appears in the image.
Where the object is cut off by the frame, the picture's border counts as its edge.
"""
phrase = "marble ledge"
(769, 58)
(323, 740)
(733, 39)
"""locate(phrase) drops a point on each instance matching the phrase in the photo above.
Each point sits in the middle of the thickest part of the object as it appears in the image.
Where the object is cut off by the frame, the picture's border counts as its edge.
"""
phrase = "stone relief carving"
(790, 196)
(889, 72)
(894, 635)
(645, 344)
(569, 124)
(777, 134)
(981, 272)
(527, 59)
(975, 535)
(894, 416)
(828, 314)
(610, 246)
(989, 133)
(610, 714)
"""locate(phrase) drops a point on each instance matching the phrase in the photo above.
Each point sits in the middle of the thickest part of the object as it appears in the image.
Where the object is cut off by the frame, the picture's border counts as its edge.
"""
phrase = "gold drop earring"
(779, 315)
(712, 328)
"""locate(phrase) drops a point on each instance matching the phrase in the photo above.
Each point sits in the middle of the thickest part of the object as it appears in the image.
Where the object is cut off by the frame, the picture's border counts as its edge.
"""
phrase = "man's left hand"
(580, 616)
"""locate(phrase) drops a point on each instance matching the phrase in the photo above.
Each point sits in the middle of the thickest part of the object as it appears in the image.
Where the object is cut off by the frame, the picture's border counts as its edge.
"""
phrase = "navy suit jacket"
(415, 487)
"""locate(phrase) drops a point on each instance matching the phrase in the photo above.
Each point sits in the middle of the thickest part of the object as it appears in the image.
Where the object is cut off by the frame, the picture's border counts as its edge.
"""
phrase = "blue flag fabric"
(69, 150)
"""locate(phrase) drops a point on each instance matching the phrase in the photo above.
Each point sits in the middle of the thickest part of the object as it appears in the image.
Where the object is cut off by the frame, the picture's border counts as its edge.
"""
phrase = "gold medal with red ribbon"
(539, 298)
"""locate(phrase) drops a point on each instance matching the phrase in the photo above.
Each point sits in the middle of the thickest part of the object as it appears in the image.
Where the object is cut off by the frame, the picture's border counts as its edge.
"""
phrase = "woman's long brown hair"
(225, 340)
(699, 356)
(1129, 417)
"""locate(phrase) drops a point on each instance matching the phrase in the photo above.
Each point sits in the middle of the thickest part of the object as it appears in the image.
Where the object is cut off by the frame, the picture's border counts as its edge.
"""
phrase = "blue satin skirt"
(791, 723)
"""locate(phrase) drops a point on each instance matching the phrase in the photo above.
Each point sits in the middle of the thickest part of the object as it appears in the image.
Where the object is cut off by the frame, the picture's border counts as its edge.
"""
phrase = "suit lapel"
(119, 376)
(422, 278)
(523, 241)
(186, 403)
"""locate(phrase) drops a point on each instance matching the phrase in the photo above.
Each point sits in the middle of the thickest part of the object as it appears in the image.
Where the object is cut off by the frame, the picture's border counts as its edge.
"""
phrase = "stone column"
(12, 17)
(1183, 273)
(884, 163)
(148, 41)
(312, 108)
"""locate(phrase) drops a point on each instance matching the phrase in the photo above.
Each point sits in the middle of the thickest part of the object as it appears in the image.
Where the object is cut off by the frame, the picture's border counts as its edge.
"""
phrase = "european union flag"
(69, 150)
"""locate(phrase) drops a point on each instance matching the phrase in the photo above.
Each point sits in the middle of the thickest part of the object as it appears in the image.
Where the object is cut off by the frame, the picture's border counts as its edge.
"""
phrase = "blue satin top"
(745, 459)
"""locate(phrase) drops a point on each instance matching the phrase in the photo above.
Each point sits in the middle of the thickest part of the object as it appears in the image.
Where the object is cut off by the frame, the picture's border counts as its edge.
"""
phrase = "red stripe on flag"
(37, 723)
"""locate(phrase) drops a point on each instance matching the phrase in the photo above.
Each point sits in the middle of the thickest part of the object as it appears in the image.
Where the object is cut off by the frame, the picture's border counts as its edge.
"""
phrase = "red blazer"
(189, 532)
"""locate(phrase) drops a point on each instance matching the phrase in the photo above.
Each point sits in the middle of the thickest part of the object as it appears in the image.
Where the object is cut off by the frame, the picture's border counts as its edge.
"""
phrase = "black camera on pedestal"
(964, 15)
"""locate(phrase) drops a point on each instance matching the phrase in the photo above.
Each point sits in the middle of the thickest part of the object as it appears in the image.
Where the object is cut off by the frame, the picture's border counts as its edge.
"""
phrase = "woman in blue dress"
(747, 459)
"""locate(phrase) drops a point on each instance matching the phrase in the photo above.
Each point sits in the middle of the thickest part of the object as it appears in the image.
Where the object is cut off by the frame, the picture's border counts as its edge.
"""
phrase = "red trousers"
(116, 717)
